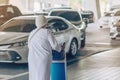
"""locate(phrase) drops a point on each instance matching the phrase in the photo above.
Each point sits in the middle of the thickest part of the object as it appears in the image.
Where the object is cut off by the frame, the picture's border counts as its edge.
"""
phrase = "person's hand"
(63, 46)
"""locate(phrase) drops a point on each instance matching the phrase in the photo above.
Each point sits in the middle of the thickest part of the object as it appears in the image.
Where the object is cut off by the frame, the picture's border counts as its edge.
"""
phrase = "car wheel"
(83, 41)
(73, 47)
(101, 26)
(113, 38)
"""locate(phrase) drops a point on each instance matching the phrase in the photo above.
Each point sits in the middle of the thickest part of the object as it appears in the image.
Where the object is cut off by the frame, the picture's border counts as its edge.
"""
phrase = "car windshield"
(87, 15)
(117, 13)
(107, 14)
(19, 25)
(70, 16)
(2, 11)
(5, 11)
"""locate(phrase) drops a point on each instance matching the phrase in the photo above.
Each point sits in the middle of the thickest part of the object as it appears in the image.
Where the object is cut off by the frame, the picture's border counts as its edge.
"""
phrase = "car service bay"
(88, 28)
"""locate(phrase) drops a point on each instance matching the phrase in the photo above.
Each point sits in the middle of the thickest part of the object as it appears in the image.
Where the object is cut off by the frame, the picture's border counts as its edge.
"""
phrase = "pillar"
(92, 5)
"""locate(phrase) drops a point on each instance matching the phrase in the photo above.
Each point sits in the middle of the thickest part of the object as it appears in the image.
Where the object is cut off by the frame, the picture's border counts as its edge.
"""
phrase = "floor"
(101, 66)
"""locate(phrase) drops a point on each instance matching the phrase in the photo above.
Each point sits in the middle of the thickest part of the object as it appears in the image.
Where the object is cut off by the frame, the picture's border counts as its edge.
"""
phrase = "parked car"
(109, 17)
(115, 29)
(75, 18)
(110, 20)
(7, 12)
(34, 13)
(14, 37)
(89, 15)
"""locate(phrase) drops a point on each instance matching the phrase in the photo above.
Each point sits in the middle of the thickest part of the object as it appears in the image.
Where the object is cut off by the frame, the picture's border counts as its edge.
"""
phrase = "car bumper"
(14, 55)
(103, 23)
(113, 32)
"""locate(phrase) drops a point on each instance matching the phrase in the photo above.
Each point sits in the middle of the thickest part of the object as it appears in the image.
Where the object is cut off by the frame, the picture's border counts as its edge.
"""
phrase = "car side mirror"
(86, 20)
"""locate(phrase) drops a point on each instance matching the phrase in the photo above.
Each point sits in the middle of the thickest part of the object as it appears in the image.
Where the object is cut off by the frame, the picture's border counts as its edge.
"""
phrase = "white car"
(109, 17)
(15, 32)
(75, 18)
(115, 29)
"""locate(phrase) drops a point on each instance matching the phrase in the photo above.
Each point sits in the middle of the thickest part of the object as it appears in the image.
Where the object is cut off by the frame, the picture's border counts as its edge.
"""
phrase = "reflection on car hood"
(12, 37)
(76, 22)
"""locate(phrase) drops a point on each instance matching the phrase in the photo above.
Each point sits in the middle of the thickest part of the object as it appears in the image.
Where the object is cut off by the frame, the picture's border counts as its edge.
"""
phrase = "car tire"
(113, 38)
(101, 26)
(73, 48)
(83, 42)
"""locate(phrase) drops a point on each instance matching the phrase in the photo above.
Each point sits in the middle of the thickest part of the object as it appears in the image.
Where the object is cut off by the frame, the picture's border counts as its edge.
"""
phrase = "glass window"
(2, 11)
(19, 26)
(28, 27)
(10, 9)
(57, 25)
(70, 16)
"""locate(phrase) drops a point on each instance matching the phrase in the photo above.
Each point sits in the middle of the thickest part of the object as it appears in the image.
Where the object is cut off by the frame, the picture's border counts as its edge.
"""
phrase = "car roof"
(49, 9)
(35, 13)
(62, 10)
(25, 17)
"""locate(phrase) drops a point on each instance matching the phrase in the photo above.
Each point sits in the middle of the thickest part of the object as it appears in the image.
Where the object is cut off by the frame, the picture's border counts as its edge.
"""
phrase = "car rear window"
(70, 16)
(115, 14)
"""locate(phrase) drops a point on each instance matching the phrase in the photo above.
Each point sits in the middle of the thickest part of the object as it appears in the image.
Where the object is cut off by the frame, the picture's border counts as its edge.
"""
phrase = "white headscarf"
(41, 21)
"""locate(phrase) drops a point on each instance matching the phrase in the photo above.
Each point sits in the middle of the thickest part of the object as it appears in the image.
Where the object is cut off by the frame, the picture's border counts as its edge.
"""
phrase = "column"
(92, 5)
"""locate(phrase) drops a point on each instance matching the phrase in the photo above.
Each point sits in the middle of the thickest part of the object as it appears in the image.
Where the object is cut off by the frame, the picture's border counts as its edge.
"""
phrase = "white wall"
(114, 2)
(29, 5)
(3, 1)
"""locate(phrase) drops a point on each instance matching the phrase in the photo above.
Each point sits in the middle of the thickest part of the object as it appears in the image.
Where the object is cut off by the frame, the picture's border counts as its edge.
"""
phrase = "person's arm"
(53, 42)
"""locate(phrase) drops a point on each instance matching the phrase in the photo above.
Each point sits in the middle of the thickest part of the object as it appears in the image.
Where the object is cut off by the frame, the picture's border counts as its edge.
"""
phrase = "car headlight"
(17, 44)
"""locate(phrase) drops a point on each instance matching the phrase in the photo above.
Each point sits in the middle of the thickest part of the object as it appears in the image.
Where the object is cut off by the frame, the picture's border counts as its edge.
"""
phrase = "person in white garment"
(41, 42)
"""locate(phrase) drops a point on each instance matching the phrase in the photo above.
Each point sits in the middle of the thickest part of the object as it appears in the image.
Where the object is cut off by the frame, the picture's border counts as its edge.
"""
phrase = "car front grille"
(9, 56)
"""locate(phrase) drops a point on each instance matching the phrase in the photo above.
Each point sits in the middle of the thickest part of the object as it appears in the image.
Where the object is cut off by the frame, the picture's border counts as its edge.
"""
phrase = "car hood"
(107, 19)
(12, 37)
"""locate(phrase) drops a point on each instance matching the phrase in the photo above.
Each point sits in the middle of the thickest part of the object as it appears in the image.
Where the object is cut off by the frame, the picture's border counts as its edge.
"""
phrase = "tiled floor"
(101, 66)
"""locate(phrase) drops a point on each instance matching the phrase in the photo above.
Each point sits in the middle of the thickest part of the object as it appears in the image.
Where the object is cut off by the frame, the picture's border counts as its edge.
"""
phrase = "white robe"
(40, 44)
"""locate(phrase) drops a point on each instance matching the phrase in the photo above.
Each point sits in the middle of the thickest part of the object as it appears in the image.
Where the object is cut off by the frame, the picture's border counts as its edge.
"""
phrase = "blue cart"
(58, 69)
